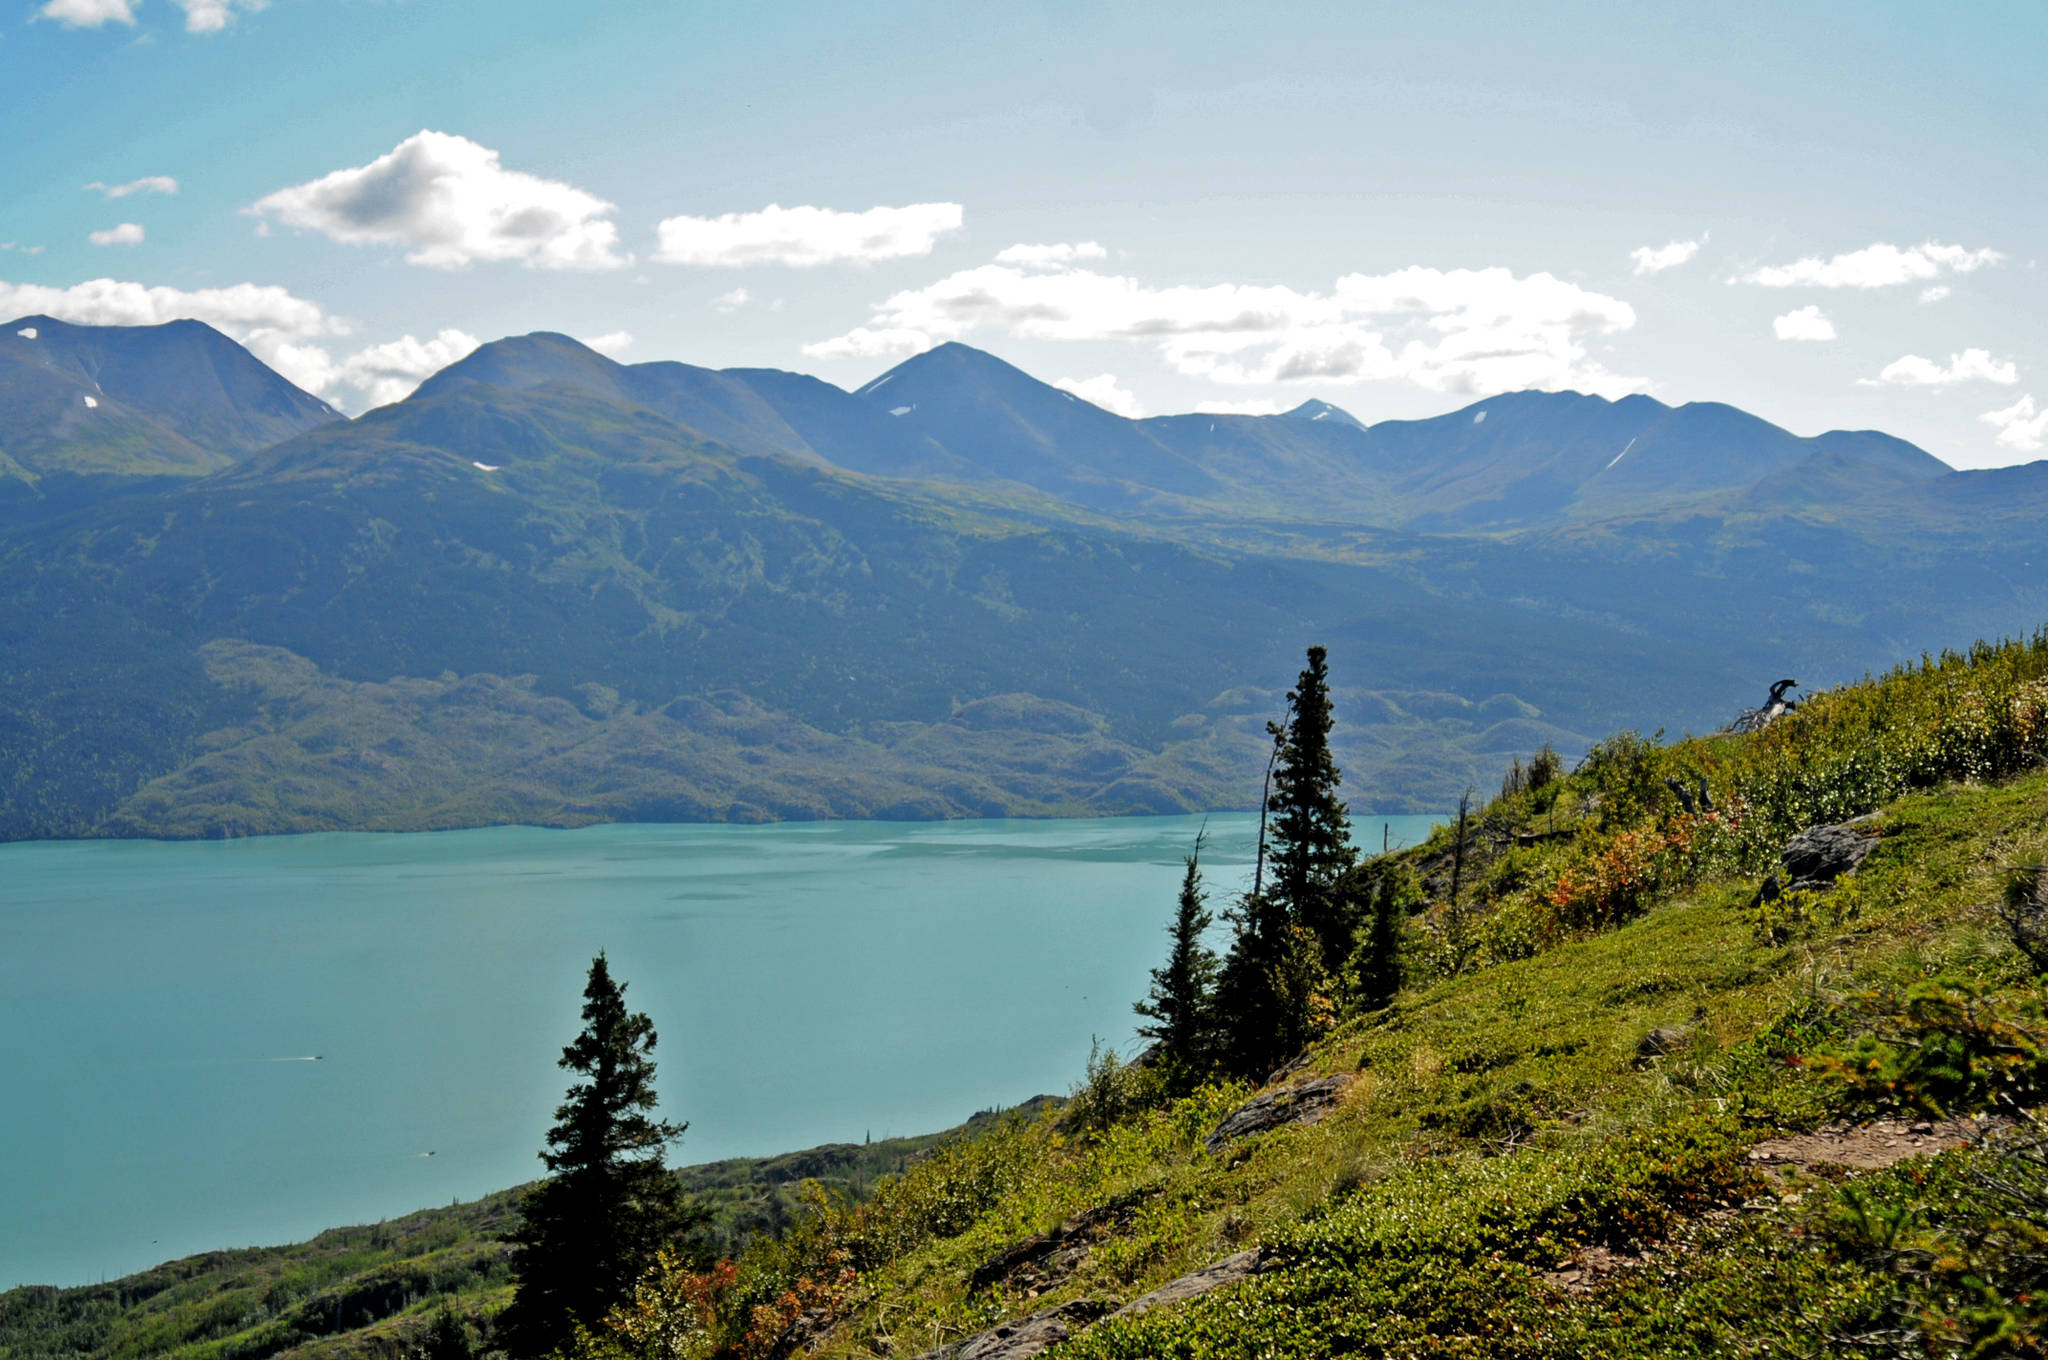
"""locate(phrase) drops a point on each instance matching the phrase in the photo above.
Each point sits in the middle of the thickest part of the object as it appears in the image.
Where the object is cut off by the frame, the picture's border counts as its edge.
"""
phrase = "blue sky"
(1827, 214)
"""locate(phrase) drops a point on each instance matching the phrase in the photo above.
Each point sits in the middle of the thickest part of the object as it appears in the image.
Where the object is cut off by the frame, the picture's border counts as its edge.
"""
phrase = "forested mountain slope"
(552, 588)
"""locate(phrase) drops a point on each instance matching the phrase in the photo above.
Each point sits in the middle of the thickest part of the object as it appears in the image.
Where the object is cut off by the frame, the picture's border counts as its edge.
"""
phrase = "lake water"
(162, 1005)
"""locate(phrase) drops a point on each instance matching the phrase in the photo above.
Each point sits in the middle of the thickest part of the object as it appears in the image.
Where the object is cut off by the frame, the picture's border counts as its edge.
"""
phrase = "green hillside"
(1625, 1105)
(376, 1291)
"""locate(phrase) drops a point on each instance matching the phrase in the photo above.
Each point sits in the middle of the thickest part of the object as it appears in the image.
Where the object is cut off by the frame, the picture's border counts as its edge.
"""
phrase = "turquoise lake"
(219, 1044)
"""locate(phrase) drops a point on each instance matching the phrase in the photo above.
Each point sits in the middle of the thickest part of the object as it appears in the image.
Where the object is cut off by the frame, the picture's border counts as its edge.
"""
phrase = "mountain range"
(548, 587)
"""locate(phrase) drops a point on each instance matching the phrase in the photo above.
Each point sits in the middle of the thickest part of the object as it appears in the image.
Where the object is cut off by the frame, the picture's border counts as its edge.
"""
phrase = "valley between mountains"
(548, 588)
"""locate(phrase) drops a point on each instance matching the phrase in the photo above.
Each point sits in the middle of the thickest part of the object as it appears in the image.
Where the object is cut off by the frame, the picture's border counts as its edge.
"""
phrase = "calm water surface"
(162, 1004)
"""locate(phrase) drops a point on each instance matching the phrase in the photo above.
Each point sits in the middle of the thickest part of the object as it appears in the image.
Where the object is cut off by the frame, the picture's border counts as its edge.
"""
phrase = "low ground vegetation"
(1546, 1144)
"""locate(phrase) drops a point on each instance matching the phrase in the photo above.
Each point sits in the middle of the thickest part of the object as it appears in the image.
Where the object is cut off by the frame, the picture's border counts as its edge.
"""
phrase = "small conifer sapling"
(1181, 1004)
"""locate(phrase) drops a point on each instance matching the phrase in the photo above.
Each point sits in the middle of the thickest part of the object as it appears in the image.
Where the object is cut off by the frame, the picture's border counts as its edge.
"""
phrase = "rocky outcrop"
(1026, 1336)
(1035, 1332)
(1817, 856)
(1044, 1259)
(1230, 1270)
(1302, 1104)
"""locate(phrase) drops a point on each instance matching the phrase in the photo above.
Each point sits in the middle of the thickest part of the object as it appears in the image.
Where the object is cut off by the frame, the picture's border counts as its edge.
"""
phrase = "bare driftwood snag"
(1774, 708)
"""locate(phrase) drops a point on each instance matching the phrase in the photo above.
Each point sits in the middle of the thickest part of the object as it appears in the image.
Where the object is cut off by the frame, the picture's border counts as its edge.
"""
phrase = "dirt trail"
(1861, 1148)
(1866, 1147)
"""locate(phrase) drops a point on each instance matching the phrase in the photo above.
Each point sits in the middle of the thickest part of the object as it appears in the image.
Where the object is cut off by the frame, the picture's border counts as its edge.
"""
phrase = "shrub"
(1618, 880)
(1964, 1245)
(1627, 769)
(1942, 1047)
(1111, 1091)
(673, 1314)
(1796, 913)
(2023, 908)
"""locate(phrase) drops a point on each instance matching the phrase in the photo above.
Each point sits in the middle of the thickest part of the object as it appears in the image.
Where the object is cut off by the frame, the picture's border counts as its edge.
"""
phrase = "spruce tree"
(1181, 1003)
(1274, 994)
(1250, 991)
(1376, 974)
(608, 1204)
(1311, 826)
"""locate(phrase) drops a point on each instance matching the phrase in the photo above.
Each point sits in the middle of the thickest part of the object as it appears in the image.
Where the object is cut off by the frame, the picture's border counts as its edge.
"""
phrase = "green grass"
(350, 1291)
(368, 1293)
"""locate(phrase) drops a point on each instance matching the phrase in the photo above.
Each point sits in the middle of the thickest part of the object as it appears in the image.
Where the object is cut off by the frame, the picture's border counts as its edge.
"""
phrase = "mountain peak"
(1314, 409)
(1004, 423)
(952, 358)
(521, 361)
(177, 398)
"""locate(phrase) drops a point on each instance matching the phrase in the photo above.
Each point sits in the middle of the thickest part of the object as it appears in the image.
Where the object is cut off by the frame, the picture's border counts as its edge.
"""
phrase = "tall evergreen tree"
(1181, 1004)
(609, 1203)
(1312, 849)
(1274, 994)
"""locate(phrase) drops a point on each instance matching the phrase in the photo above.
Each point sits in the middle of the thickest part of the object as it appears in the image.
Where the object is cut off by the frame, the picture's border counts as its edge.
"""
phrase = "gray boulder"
(1819, 855)
(1662, 1042)
(1044, 1259)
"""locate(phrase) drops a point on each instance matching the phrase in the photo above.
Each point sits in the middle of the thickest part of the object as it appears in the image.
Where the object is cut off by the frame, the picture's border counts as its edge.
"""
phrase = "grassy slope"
(366, 1292)
(1503, 1119)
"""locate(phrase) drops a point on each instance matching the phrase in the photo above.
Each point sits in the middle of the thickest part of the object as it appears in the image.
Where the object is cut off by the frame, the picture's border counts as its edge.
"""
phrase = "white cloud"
(1105, 391)
(376, 375)
(871, 342)
(1806, 323)
(450, 203)
(1049, 256)
(1473, 331)
(611, 342)
(88, 13)
(1972, 365)
(1874, 266)
(804, 237)
(733, 301)
(1657, 259)
(201, 16)
(1935, 294)
(16, 245)
(211, 16)
(242, 310)
(148, 184)
(127, 234)
(284, 331)
(2021, 425)
(1257, 406)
